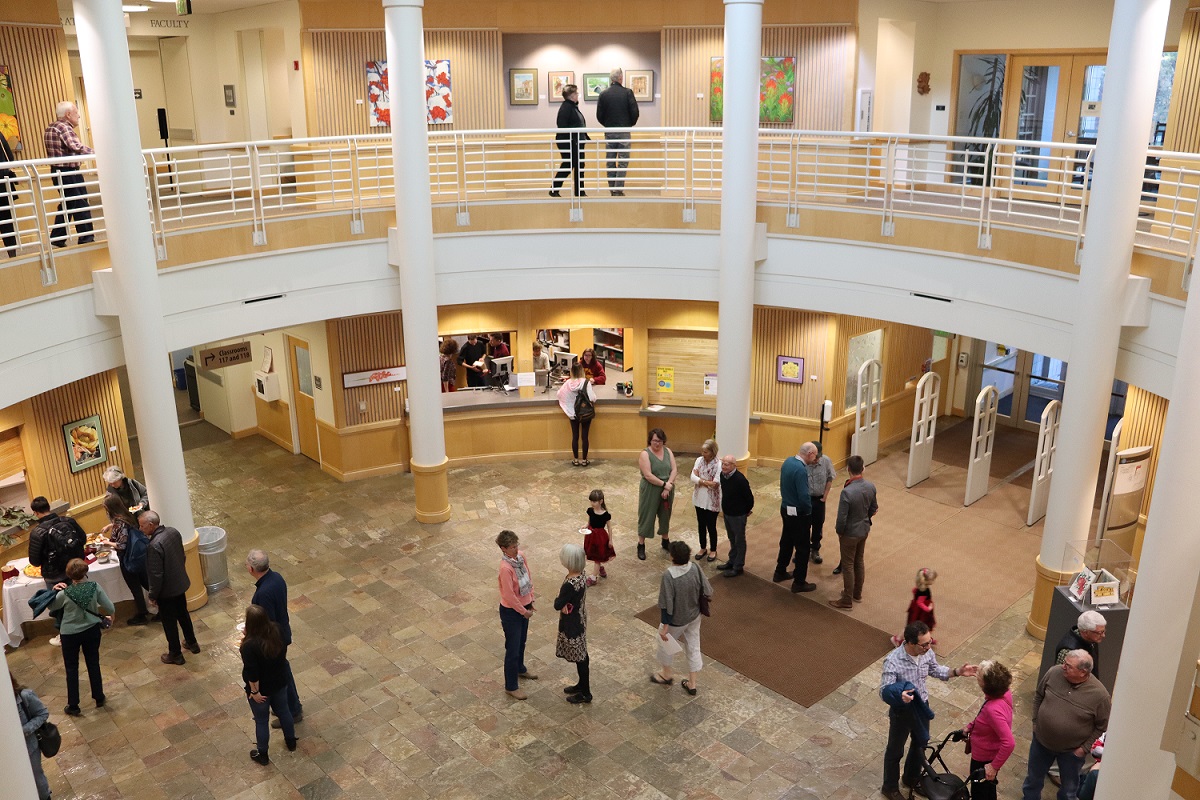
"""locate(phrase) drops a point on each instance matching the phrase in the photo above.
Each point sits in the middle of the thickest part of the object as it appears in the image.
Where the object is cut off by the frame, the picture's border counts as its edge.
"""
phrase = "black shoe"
(804, 587)
(296, 718)
(72, 711)
(87, 239)
(731, 573)
(192, 646)
(916, 789)
(815, 557)
(837, 570)
(260, 758)
(100, 703)
(703, 554)
(554, 193)
(291, 745)
(140, 619)
(58, 243)
(579, 698)
(641, 552)
(571, 689)
(581, 194)
(780, 576)
(666, 543)
(172, 658)
(891, 794)
(723, 567)
(154, 617)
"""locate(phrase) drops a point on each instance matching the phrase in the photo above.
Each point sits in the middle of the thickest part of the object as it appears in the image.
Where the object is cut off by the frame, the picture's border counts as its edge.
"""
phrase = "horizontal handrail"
(1036, 186)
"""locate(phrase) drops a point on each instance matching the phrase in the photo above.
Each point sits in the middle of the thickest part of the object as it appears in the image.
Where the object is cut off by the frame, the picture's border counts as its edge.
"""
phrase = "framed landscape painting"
(593, 84)
(555, 81)
(522, 87)
(641, 83)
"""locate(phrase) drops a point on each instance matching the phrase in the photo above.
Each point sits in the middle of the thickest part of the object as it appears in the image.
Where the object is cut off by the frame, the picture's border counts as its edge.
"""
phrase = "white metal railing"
(987, 183)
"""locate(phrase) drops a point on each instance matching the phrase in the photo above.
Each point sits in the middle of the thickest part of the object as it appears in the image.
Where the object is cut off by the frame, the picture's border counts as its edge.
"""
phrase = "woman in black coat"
(570, 144)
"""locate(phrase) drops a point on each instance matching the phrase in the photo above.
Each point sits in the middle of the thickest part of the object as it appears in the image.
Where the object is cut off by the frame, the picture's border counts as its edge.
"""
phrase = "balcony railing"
(988, 183)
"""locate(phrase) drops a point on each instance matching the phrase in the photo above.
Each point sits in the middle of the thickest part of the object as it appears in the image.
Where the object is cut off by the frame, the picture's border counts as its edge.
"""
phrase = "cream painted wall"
(894, 86)
(230, 405)
(318, 352)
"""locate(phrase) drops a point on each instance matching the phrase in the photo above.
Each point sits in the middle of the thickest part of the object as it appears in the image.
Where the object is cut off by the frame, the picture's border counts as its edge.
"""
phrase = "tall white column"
(14, 758)
(104, 53)
(739, 204)
(411, 250)
(1130, 81)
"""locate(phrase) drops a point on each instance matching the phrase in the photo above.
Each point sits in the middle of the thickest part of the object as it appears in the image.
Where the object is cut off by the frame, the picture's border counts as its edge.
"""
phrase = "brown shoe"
(891, 794)
(528, 674)
(169, 658)
(841, 603)
(516, 694)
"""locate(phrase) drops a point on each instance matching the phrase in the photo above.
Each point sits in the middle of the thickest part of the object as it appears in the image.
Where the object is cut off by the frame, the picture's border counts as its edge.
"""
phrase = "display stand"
(1064, 611)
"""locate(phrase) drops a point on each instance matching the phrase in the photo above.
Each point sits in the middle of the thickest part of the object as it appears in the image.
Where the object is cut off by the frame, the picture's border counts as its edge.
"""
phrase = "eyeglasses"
(925, 645)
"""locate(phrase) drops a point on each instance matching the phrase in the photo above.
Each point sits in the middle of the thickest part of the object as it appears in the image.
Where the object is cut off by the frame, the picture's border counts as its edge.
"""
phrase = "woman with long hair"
(448, 364)
(130, 544)
(568, 400)
(32, 713)
(265, 672)
(706, 497)
(86, 612)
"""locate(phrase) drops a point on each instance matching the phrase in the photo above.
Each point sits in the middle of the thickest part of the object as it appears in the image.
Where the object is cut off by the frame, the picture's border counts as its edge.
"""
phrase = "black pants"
(984, 790)
(74, 204)
(794, 540)
(706, 522)
(901, 728)
(584, 668)
(7, 231)
(572, 161)
(578, 428)
(173, 613)
(134, 583)
(816, 524)
(89, 642)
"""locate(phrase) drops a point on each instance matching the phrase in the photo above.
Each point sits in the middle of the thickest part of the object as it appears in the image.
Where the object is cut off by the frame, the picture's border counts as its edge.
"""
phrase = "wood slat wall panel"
(905, 349)
(693, 354)
(374, 341)
(36, 57)
(339, 80)
(1183, 117)
(12, 458)
(1145, 415)
(788, 332)
(824, 73)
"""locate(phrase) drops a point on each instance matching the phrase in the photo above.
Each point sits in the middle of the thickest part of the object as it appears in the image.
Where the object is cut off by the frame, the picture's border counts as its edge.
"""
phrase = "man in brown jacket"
(167, 570)
(1070, 710)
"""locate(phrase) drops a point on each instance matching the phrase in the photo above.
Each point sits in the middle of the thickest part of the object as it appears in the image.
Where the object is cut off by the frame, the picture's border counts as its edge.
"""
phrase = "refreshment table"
(18, 590)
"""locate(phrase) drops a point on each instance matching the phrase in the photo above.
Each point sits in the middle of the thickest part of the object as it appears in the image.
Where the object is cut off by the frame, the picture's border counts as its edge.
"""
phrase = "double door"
(1025, 382)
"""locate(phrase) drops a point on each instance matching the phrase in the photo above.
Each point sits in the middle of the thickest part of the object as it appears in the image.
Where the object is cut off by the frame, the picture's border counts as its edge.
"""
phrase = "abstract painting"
(8, 112)
(776, 94)
(439, 109)
(85, 443)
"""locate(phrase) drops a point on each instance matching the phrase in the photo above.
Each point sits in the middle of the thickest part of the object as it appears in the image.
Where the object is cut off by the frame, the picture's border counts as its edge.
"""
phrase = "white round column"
(739, 205)
(104, 54)
(410, 249)
(14, 758)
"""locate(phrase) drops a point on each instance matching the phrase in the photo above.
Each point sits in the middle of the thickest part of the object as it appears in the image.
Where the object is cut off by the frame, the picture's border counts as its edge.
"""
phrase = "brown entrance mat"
(800, 649)
(1013, 448)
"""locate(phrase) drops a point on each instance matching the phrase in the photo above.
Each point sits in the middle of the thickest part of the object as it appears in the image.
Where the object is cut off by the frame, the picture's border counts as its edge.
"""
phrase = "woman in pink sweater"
(516, 607)
(991, 733)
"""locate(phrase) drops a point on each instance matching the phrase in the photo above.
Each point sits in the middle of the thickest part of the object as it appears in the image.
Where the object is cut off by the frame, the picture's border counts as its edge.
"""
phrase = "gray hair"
(572, 557)
(710, 445)
(808, 448)
(616, 74)
(151, 517)
(1082, 659)
(63, 108)
(258, 561)
(113, 474)
(1090, 621)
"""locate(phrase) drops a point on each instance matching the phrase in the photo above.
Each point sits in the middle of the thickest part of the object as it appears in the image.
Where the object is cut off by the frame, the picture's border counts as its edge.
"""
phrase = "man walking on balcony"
(617, 109)
(62, 142)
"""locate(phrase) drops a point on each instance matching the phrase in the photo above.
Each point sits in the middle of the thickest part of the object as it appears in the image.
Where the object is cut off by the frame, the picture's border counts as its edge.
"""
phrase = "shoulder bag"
(48, 737)
(585, 409)
(704, 601)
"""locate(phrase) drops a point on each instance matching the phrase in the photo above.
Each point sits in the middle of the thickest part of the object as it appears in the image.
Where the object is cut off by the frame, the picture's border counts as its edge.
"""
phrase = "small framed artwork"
(522, 87)
(789, 369)
(593, 84)
(555, 81)
(641, 83)
(230, 97)
(85, 443)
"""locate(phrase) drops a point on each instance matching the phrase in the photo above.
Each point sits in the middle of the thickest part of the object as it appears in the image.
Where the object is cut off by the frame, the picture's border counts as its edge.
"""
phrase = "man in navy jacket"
(270, 592)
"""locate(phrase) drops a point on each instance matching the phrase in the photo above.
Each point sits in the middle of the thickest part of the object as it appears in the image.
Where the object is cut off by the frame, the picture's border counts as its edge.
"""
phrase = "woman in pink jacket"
(516, 607)
(991, 741)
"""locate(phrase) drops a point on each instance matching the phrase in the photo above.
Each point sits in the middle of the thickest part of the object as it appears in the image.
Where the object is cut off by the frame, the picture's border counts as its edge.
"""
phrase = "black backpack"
(585, 409)
(63, 541)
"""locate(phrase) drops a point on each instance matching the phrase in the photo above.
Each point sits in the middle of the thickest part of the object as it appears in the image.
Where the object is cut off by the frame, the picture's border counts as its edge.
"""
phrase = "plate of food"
(32, 572)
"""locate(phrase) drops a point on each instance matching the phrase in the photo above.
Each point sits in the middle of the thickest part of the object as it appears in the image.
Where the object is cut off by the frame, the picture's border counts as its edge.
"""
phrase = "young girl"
(921, 607)
(598, 542)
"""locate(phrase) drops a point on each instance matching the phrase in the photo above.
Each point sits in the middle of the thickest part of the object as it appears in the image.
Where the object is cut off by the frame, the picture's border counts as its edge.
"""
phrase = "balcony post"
(410, 249)
(739, 181)
(104, 53)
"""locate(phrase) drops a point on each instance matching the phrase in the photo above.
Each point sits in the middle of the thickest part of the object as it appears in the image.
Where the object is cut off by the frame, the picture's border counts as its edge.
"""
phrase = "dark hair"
(499, 337)
(995, 678)
(115, 507)
(39, 505)
(817, 444)
(598, 495)
(854, 465)
(656, 432)
(914, 631)
(570, 88)
(260, 628)
(507, 538)
(680, 552)
(77, 569)
(17, 688)
(449, 347)
(590, 350)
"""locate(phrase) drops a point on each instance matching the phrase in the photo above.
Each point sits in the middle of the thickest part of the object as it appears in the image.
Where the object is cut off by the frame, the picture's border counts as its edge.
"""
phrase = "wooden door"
(300, 367)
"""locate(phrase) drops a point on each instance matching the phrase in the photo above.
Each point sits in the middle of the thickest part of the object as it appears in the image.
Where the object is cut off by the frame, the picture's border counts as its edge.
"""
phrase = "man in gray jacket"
(167, 570)
(617, 108)
(1070, 710)
(856, 507)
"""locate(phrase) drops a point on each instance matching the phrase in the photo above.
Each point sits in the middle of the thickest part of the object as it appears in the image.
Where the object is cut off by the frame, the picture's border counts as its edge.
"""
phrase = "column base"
(197, 593)
(746, 461)
(432, 488)
(1045, 581)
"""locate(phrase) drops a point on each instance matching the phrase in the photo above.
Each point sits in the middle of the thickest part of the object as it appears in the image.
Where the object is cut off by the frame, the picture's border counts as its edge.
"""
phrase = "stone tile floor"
(398, 658)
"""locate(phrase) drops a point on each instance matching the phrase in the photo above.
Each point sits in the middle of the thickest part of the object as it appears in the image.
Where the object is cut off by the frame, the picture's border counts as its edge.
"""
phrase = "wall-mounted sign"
(665, 379)
(710, 383)
(371, 376)
(225, 355)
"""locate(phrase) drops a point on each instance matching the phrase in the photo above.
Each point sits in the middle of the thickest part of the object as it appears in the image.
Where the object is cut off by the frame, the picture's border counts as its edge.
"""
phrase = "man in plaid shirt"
(62, 142)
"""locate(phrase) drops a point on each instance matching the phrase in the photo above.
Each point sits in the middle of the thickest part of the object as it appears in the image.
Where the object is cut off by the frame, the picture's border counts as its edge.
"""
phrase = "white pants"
(689, 636)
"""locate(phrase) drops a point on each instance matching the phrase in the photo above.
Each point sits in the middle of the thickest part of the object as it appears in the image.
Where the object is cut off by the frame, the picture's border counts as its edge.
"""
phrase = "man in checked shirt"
(910, 663)
(62, 142)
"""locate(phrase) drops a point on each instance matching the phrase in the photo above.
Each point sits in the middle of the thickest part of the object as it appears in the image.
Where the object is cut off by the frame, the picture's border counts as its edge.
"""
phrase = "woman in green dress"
(656, 492)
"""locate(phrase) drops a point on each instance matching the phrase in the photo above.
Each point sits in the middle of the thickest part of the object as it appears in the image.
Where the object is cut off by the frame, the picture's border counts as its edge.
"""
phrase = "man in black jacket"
(53, 542)
(270, 592)
(471, 354)
(166, 568)
(617, 108)
(737, 503)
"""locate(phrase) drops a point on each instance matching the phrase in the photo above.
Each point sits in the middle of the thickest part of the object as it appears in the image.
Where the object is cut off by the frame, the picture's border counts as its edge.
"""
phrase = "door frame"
(290, 343)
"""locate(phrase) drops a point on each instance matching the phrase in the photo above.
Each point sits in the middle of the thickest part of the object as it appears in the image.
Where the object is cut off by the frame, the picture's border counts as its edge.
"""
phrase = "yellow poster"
(666, 379)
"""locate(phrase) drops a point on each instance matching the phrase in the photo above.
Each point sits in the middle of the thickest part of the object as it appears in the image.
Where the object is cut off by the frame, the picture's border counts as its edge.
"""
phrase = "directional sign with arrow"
(225, 355)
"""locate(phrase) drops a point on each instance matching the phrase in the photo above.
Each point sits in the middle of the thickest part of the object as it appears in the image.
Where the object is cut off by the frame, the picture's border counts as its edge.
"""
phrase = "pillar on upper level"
(104, 54)
(739, 178)
(1131, 80)
(410, 249)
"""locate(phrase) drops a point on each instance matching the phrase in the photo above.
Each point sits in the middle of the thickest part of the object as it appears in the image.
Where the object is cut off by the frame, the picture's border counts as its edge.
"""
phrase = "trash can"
(212, 557)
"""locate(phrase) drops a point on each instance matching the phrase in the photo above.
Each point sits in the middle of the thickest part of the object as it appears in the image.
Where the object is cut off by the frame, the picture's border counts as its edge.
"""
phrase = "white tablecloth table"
(18, 590)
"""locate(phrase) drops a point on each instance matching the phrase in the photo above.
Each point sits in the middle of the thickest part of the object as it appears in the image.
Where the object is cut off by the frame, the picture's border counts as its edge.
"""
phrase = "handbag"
(704, 601)
(48, 737)
(585, 409)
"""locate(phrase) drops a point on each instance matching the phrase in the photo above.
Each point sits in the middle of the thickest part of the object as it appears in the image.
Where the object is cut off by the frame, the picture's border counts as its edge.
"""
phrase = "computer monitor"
(501, 368)
(562, 360)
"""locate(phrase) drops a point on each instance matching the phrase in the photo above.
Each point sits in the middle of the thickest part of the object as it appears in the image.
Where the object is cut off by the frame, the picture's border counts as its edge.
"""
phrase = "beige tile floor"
(398, 657)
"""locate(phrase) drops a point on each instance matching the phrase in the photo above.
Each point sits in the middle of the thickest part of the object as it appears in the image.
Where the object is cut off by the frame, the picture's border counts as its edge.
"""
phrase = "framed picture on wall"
(555, 81)
(593, 84)
(641, 83)
(789, 369)
(85, 443)
(522, 87)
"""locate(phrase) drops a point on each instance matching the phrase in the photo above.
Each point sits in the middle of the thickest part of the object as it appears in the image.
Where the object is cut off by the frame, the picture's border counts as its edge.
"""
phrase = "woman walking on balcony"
(570, 145)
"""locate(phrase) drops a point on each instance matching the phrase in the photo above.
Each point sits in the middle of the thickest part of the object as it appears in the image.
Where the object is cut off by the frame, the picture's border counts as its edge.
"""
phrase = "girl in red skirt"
(921, 607)
(597, 544)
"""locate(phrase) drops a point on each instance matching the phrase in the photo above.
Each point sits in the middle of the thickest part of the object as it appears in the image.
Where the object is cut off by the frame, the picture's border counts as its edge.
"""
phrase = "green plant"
(13, 517)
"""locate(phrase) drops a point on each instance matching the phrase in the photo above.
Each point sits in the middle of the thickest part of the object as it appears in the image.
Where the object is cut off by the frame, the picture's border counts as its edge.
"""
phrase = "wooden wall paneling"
(373, 341)
(12, 456)
(692, 354)
(274, 421)
(686, 63)
(1183, 116)
(788, 332)
(1145, 416)
(36, 57)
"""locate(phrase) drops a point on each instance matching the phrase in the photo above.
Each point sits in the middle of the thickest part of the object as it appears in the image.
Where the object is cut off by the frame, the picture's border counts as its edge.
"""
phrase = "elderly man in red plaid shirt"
(62, 142)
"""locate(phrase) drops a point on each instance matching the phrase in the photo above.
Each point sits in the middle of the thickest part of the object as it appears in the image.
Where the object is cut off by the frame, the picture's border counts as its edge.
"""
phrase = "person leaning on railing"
(570, 145)
(62, 142)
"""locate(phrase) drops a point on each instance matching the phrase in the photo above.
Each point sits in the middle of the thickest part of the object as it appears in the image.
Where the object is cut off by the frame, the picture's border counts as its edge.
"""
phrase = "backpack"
(135, 551)
(63, 542)
(585, 409)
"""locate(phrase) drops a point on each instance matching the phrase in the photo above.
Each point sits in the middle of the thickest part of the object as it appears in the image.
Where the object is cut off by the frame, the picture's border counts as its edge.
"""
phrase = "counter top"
(686, 411)
(474, 399)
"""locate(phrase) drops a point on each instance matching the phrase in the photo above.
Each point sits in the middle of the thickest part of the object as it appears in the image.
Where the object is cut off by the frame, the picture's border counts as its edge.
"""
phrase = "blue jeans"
(293, 697)
(1040, 759)
(901, 728)
(735, 529)
(516, 629)
(277, 702)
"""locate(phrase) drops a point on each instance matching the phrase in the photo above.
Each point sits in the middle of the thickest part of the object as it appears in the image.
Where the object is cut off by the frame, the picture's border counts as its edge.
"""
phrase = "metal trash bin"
(212, 557)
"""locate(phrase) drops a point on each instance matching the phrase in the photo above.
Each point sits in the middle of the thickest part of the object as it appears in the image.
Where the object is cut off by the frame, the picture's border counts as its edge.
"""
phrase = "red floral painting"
(439, 110)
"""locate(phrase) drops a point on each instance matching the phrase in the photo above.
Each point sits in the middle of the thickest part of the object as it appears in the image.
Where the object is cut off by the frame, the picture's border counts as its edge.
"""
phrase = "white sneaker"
(56, 641)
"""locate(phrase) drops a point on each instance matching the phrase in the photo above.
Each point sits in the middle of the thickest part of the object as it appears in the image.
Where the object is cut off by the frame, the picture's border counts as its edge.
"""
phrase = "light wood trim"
(12, 455)
(1183, 116)
(1145, 417)
(36, 57)
(788, 332)
(1185, 785)
(692, 355)
(364, 451)
(372, 341)
(274, 422)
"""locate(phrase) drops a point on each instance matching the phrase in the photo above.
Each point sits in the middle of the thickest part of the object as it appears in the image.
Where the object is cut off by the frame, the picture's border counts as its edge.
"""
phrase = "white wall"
(229, 404)
(894, 86)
